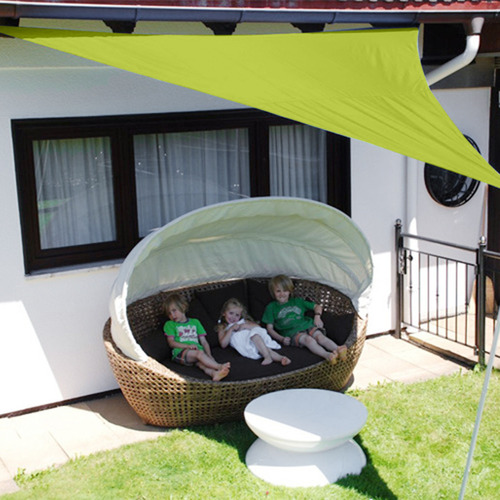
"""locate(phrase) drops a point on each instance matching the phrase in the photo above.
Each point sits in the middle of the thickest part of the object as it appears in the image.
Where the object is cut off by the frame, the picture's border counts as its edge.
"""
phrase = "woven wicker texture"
(164, 398)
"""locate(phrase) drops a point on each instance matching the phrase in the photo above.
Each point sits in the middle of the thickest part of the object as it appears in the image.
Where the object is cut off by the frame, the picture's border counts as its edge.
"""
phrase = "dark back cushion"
(156, 346)
(198, 310)
(212, 301)
(337, 326)
(258, 298)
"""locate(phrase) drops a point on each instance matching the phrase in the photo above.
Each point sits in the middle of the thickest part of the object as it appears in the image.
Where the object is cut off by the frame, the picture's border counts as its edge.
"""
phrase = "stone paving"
(38, 440)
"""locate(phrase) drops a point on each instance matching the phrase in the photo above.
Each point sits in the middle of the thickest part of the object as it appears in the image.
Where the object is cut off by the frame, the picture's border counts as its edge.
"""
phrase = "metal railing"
(450, 296)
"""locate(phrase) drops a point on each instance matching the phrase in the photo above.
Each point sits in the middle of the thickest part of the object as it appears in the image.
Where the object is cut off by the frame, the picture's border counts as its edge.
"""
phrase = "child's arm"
(205, 345)
(276, 336)
(224, 336)
(247, 325)
(318, 309)
(179, 345)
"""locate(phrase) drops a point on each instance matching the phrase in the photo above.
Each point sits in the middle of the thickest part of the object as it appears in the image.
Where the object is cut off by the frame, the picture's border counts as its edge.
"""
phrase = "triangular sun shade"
(364, 84)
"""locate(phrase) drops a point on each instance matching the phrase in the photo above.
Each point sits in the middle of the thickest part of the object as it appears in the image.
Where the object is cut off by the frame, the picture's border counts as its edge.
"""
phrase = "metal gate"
(447, 290)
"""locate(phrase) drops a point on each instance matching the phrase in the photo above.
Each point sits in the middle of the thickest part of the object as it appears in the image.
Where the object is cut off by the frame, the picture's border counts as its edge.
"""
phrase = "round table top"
(305, 418)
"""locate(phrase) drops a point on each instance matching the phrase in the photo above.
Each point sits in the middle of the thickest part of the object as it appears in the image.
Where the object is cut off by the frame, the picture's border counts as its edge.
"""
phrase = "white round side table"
(305, 437)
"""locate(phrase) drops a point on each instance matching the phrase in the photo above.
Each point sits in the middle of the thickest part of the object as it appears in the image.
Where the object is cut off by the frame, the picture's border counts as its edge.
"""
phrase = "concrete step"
(449, 348)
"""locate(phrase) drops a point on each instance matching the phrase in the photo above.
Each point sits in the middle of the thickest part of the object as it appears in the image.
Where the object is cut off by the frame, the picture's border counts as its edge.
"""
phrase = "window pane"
(179, 172)
(74, 191)
(297, 162)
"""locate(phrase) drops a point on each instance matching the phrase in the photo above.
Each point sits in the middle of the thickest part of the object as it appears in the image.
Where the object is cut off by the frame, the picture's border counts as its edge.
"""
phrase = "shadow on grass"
(369, 482)
(235, 434)
(239, 436)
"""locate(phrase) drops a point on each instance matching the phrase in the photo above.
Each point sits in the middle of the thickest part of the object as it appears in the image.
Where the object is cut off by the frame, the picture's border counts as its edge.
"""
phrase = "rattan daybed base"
(164, 397)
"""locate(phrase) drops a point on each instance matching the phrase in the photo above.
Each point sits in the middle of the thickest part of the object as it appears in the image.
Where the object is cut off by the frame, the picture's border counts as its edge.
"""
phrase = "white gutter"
(471, 48)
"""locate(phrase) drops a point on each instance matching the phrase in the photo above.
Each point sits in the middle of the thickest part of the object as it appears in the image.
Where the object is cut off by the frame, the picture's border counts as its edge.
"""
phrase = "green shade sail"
(366, 84)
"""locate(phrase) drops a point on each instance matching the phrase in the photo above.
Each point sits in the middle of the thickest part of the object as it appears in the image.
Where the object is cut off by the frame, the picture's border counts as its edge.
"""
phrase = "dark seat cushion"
(206, 307)
(247, 369)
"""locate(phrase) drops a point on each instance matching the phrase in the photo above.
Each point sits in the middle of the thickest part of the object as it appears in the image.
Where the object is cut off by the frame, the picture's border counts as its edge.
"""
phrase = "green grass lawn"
(416, 441)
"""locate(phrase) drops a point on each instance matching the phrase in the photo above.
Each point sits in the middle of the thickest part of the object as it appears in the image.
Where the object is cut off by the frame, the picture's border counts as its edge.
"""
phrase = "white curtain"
(74, 183)
(297, 162)
(179, 172)
(175, 173)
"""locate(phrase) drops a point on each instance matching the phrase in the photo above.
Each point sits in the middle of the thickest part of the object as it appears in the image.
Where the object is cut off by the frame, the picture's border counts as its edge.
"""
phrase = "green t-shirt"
(186, 333)
(288, 319)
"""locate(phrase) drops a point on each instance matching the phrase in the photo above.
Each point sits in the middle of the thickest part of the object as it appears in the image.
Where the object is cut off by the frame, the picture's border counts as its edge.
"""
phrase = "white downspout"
(471, 48)
(459, 62)
(412, 171)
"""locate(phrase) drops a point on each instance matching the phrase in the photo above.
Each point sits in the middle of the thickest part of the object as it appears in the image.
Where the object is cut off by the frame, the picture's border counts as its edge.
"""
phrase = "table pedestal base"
(298, 469)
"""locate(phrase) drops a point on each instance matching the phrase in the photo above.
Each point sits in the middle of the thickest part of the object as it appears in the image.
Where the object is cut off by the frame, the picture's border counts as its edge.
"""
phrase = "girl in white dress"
(238, 330)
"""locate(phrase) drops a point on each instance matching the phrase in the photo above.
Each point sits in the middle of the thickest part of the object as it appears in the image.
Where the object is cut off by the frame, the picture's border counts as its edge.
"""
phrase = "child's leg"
(309, 342)
(268, 354)
(330, 345)
(216, 375)
(279, 358)
(208, 365)
(262, 348)
(342, 351)
(324, 341)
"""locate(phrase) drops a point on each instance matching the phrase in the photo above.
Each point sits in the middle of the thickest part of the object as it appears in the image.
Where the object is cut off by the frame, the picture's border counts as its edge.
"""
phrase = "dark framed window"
(91, 188)
(449, 188)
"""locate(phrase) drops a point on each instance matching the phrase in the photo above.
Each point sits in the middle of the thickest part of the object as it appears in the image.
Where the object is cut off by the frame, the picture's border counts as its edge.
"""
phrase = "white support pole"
(480, 408)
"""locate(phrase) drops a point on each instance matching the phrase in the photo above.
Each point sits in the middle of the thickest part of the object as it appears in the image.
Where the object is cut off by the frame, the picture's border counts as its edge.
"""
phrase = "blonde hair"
(282, 281)
(233, 303)
(176, 300)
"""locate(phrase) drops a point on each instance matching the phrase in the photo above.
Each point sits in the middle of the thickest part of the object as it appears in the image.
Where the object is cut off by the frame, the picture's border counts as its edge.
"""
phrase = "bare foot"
(267, 361)
(342, 352)
(333, 358)
(285, 361)
(221, 373)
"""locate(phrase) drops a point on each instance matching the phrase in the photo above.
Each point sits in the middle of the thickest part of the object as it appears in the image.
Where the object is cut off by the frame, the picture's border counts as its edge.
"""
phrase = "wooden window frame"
(121, 130)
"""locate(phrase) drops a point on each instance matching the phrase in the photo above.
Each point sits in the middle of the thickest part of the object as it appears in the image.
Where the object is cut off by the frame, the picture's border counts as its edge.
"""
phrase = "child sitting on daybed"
(286, 322)
(187, 339)
(238, 330)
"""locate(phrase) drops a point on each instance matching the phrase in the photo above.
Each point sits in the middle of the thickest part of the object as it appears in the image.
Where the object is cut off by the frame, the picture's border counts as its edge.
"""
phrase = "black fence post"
(481, 302)
(399, 278)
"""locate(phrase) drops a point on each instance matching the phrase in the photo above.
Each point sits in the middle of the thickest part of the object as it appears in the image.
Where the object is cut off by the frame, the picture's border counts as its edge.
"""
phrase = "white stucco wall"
(469, 110)
(386, 187)
(51, 325)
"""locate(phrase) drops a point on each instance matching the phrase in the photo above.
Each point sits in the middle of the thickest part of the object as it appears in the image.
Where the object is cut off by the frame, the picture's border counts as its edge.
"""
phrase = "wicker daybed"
(242, 244)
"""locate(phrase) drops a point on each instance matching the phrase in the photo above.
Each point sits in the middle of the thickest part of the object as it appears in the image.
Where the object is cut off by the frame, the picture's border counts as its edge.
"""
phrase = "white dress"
(241, 340)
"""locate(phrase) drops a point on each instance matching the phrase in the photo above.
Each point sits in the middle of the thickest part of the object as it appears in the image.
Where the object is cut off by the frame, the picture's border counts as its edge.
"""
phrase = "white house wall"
(51, 325)
(469, 110)
(386, 187)
(463, 225)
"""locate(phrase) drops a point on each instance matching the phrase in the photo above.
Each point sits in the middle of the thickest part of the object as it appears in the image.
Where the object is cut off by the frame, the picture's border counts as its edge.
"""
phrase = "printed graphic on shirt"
(187, 333)
(289, 314)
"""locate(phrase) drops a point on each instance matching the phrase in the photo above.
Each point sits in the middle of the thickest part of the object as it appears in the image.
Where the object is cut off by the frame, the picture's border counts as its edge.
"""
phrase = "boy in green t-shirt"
(186, 338)
(287, 323)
